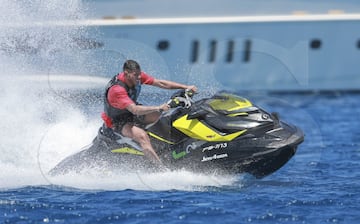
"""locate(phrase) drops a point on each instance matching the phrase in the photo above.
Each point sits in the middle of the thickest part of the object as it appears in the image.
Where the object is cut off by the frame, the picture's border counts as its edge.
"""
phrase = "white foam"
(40, 127)
(167, 180)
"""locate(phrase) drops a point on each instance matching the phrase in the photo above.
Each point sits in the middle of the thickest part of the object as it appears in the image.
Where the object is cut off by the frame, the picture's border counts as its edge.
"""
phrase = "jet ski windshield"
(231, 105)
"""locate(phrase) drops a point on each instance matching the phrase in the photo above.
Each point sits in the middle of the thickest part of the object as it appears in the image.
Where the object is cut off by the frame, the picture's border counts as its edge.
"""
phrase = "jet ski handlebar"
(181, 98)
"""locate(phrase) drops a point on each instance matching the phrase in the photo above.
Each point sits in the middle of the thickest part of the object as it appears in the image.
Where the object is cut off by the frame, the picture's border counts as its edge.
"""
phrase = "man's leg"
(140, 136)
(151, 117)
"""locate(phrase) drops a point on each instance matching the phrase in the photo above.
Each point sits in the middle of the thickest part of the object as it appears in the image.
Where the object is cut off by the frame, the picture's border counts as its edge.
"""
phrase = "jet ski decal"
(238, 114)
(178, 155)
(215, 156)
(196, 129)
(128, 151)
(192, 146)
(160, 138)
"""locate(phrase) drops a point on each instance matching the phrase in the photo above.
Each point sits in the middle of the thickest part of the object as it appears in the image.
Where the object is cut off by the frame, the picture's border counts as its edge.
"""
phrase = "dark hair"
(131, 66)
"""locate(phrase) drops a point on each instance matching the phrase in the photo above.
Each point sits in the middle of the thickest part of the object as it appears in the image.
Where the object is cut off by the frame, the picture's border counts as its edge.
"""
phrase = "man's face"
(133, 77)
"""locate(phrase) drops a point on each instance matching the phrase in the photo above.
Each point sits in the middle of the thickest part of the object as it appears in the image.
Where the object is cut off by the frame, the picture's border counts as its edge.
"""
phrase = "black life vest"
(117, 114)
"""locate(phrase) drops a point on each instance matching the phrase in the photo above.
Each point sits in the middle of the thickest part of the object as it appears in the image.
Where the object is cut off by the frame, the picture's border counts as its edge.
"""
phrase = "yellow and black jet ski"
(223, 133)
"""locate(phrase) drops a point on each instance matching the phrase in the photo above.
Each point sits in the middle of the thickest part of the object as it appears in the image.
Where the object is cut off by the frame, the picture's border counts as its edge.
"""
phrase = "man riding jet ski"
(123, 114)
(223, 133)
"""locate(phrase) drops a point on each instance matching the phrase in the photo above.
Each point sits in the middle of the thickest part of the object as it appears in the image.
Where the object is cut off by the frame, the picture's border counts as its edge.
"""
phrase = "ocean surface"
(45, 119)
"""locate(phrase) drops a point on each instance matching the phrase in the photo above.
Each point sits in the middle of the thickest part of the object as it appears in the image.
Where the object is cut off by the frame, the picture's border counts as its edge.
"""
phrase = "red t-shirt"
(118, 96)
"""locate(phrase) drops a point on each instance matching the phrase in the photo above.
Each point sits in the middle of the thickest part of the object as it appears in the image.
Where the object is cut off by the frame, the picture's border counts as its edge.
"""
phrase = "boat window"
(163, 45)
(315, 44)
(247, 51)
(212, 54)
(230, 51)
(358, 44)
(195, 51)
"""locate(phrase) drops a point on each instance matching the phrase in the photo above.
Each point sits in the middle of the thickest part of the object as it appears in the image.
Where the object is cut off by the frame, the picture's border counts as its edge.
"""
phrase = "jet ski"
(223, 133)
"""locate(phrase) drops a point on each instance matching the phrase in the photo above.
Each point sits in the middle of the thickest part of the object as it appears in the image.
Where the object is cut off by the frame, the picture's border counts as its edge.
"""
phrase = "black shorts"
(132, 120)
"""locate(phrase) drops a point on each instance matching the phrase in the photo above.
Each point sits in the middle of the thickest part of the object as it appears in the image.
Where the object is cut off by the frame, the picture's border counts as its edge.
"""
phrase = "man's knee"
(140, 135)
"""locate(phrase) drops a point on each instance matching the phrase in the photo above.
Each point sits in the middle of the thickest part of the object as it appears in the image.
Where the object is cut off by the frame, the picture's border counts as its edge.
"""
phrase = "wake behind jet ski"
(225, 132)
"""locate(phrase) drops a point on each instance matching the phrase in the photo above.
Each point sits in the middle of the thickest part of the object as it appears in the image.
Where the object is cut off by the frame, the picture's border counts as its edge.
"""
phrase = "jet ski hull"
(257, 156)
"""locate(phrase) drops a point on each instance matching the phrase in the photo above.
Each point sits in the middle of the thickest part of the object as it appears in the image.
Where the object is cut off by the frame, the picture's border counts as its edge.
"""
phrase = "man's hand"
(173, 103)
(164, 107)
(192, 88)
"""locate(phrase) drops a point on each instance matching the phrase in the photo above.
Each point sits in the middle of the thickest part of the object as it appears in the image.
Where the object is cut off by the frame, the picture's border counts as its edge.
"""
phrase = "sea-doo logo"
(217, 146)
(192, 147)
(188, 148)
(176, 155)
(205, 159)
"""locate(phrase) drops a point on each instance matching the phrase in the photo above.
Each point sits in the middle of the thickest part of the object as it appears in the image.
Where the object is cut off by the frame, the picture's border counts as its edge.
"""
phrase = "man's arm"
(119, 98)
(165, 84)
(142, 110)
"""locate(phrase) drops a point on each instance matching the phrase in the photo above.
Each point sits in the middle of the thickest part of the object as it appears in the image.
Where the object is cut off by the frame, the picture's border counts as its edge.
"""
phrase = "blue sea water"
(320, 184)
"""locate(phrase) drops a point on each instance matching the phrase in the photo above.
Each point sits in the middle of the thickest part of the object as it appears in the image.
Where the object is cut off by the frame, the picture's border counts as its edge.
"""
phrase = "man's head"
(131, 66)
(132, 72)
